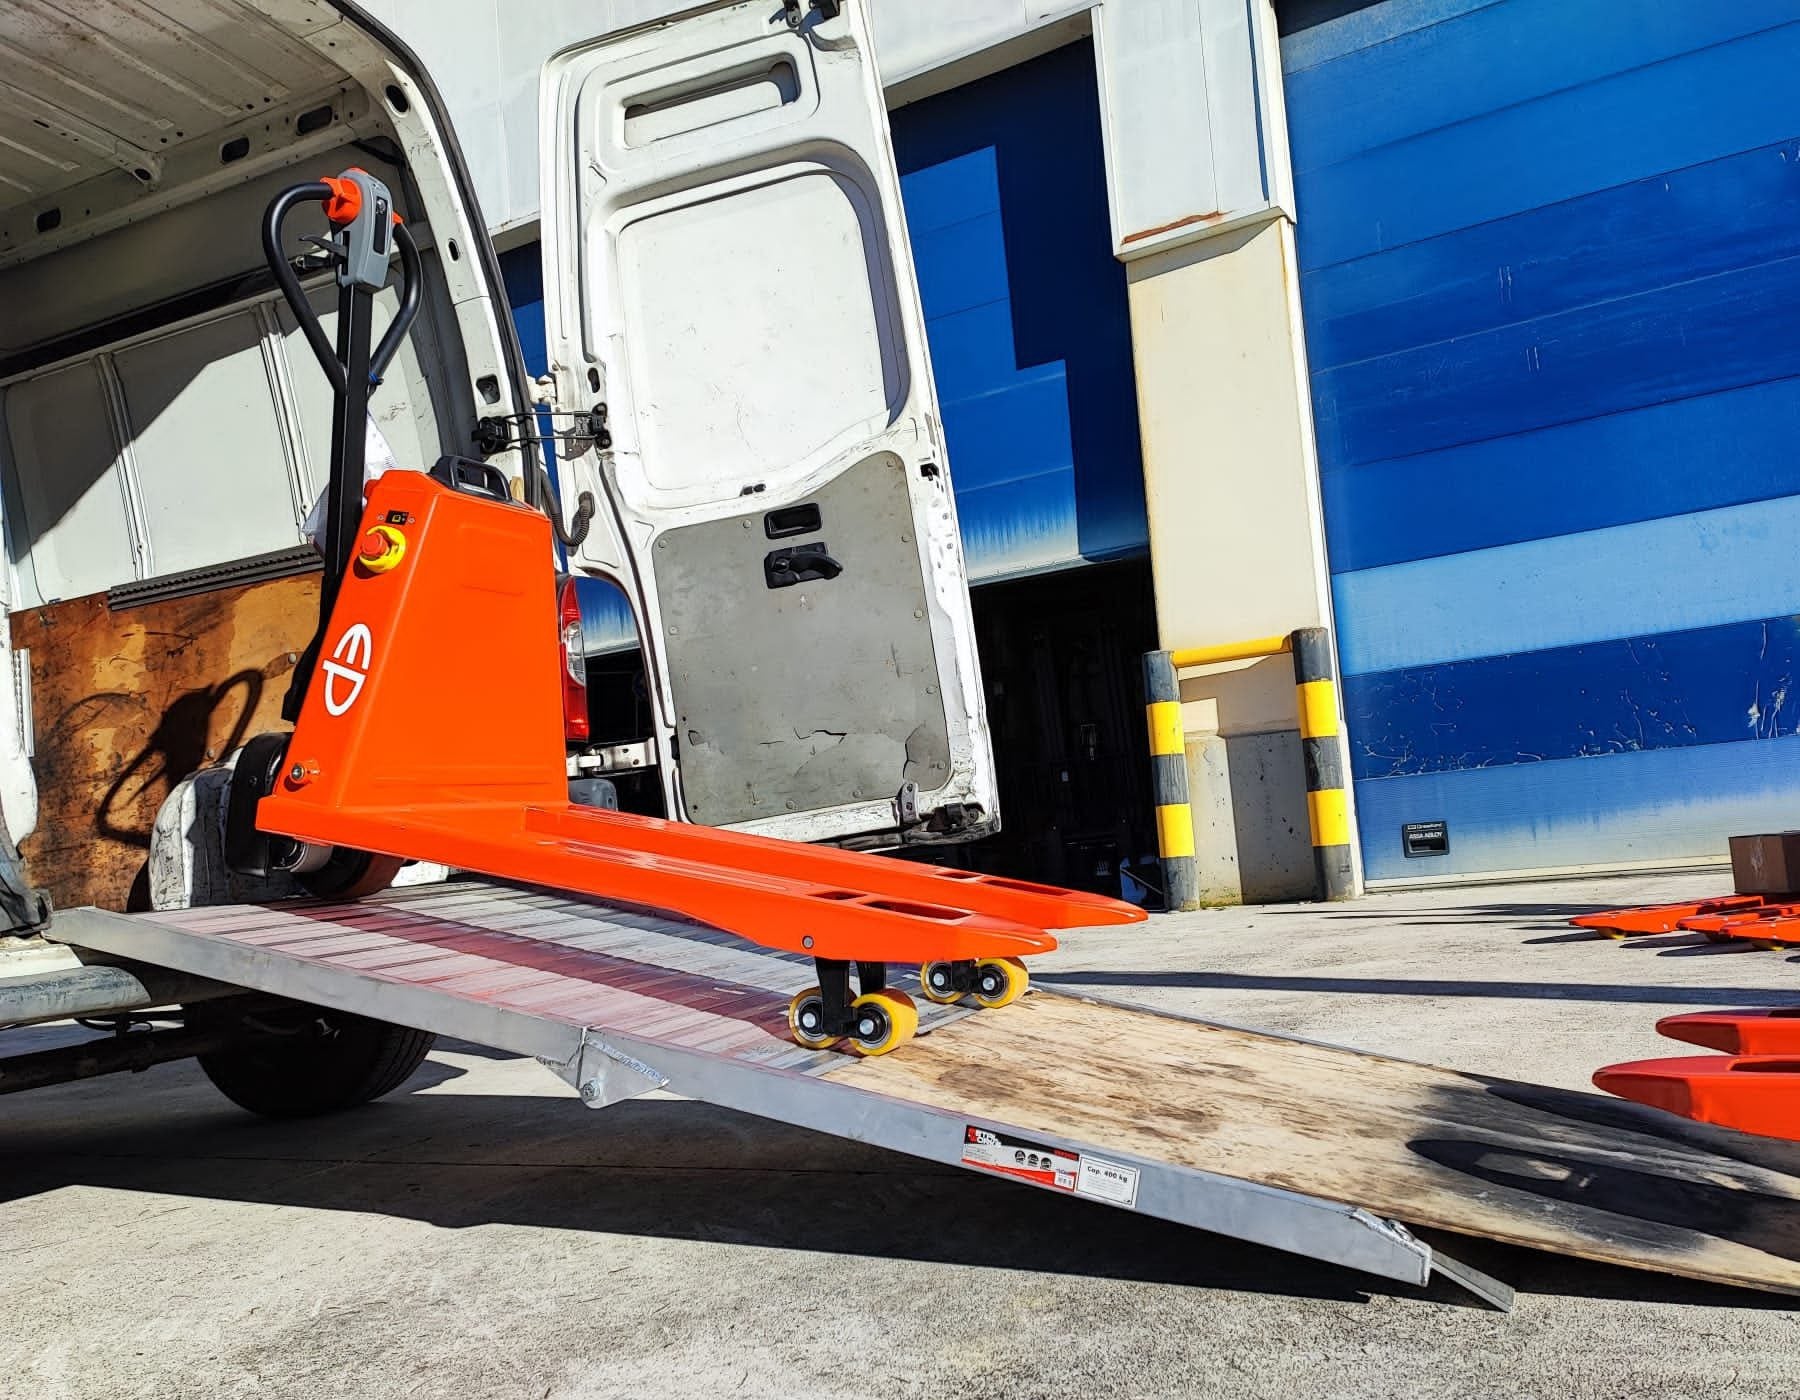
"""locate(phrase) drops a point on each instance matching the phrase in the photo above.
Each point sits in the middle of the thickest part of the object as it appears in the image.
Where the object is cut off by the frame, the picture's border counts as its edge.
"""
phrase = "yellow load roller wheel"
(885, 1021)
(937, 980)
(1000, 982)
(806, 1018)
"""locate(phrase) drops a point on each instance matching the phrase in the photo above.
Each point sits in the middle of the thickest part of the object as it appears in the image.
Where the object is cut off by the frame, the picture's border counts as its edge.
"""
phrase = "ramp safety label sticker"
(1054, 1167)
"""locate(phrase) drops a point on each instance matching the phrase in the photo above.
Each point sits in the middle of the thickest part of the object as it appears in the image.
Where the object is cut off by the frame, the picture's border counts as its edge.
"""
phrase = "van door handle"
(802, 563)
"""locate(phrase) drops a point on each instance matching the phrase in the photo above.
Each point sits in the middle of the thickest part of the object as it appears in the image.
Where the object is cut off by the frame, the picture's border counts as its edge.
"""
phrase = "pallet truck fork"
(438, 616)
(1753, 1085)
(1768, 925)
(1762, 1031)
(1653, 919)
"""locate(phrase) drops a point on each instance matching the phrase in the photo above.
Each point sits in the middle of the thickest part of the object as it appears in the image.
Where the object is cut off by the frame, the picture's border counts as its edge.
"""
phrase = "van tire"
(338, 1062)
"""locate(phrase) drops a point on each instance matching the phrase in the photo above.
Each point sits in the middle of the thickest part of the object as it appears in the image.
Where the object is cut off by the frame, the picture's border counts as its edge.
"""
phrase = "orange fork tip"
(1625, 923)
(1069, 908)
(1762, 1031)
(1718, 923)
(1752, 1093)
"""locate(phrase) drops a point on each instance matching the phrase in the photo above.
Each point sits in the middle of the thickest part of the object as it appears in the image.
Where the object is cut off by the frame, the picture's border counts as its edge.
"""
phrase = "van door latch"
(800, 563)
(796, 9)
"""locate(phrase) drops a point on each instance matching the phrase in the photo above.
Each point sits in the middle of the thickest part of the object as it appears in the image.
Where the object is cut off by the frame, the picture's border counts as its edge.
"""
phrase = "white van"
(739, 383)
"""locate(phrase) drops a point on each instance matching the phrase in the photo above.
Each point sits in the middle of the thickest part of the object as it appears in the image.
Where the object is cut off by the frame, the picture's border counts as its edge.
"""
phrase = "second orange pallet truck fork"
(1662, 918)
(1753, 1086)
(438, 618)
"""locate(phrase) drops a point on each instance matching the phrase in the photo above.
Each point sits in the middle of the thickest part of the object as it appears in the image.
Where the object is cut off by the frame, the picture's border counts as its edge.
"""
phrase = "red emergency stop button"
(345, 202)
(382, 547)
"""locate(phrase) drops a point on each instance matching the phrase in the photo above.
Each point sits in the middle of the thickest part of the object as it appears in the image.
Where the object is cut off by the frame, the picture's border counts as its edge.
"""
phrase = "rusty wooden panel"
(126, 704)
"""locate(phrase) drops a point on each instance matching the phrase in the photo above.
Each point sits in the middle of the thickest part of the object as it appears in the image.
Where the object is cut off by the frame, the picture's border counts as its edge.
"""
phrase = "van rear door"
(727, 271)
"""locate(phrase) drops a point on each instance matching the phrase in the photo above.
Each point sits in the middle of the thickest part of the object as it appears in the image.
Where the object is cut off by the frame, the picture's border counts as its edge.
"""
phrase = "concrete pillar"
(1203, 215)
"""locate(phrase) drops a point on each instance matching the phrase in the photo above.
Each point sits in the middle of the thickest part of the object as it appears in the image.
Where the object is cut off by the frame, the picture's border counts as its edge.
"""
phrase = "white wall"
(1236, 538)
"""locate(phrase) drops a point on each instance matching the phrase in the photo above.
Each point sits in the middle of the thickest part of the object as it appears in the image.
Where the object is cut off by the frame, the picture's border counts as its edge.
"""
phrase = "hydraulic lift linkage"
(428, 723)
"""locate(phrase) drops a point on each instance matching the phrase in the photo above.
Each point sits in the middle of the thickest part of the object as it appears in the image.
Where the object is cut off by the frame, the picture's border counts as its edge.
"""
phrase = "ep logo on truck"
(349, 665)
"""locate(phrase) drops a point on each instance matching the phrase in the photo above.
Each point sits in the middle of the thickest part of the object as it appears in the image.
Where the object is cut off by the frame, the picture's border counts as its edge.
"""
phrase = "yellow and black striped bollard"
(1169, 782)
(1327, 805)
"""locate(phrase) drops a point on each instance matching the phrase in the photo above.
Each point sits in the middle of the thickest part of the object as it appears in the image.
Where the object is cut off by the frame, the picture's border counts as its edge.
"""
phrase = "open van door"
(727, 271)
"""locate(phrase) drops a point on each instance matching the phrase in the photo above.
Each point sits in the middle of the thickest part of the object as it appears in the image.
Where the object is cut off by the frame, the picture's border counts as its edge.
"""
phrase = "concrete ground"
(479, 1234)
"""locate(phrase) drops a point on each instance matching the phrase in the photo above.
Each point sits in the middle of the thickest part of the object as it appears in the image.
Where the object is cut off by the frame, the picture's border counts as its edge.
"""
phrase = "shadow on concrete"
(660, 1168)
(678, 1170)
(1438, 914)
(1521, 917)
(1420, 987)
(1697, 948)
(1574, 935)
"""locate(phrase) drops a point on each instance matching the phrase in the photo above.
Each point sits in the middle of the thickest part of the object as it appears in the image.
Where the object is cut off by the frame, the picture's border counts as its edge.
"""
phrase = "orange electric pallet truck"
(438, 616)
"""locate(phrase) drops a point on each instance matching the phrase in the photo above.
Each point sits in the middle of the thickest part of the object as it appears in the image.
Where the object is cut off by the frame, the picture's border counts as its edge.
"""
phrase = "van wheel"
(327, 1062)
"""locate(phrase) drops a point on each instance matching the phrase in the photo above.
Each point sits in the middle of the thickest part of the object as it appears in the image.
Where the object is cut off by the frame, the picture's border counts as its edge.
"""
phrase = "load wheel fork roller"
(879, 1018)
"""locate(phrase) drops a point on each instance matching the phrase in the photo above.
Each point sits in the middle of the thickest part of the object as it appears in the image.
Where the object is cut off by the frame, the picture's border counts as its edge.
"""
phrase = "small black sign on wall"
(1425, 839)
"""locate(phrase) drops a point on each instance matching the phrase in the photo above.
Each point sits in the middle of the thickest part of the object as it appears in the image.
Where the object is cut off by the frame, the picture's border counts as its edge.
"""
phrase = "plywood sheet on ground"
(1579, 1174)
(126, 704)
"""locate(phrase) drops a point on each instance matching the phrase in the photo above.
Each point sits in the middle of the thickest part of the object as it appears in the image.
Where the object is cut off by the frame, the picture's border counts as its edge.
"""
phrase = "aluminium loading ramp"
(1313, 1149)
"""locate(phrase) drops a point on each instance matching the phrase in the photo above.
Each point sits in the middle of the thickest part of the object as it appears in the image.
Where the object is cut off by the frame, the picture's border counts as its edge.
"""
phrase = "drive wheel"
(885, 1021)
(349, 875)
(1000, 982)
(806, 1020)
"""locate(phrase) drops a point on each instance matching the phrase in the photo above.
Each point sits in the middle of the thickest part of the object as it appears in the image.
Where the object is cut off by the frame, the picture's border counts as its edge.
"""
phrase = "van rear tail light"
(574, 664)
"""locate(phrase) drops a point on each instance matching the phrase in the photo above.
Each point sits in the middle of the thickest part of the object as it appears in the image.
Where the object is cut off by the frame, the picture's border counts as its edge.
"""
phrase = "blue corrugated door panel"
(1004, 183)
(1550, 266)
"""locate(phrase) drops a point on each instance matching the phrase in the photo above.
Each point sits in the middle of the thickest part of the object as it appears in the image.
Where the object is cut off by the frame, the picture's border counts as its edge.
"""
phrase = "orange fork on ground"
(1768, 1031)
(1767, 925)
(1753, 1093)
(1661, 918)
